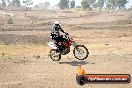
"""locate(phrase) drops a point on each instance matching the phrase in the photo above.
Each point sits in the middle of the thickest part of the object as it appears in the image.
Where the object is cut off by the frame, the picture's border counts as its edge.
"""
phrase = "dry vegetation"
(24, 61)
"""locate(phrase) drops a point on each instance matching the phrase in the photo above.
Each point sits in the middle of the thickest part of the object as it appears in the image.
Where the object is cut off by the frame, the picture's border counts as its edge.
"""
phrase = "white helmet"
(57, 22)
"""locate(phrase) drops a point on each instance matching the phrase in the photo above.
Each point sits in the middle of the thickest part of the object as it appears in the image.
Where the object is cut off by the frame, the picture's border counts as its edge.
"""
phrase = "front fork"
(74, 44)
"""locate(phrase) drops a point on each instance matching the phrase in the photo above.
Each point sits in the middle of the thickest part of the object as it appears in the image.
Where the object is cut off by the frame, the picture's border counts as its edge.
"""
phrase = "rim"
(54, 55)
(80, 52)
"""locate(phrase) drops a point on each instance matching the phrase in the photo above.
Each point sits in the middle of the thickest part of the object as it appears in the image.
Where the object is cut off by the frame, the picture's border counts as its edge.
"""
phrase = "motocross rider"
(55, 34)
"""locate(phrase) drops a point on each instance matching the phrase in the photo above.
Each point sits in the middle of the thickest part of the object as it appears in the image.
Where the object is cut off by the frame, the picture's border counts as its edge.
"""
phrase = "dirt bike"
(80, 51)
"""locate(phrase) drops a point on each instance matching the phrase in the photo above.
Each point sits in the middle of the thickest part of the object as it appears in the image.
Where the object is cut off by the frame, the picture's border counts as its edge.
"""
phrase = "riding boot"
(58, 47)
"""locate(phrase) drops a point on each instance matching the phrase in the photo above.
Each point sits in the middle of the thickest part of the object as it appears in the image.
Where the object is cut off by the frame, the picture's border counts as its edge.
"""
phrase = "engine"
(65, 51)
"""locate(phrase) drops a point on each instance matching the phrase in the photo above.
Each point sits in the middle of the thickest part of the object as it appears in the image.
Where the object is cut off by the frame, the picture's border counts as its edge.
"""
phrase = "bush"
(3, 54)
(78, 7)
(130, 8)
(10, 21)
(37, 57)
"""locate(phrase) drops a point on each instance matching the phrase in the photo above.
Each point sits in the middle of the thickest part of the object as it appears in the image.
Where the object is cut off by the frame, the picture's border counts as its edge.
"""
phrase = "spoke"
(54, 54)
(80, 52)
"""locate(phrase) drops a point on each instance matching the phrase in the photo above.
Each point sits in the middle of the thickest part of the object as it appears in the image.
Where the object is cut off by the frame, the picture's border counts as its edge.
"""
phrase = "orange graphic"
(81, 71)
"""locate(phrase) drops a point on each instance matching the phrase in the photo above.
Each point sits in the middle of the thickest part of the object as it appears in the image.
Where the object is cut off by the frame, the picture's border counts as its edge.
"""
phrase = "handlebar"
(67, 36)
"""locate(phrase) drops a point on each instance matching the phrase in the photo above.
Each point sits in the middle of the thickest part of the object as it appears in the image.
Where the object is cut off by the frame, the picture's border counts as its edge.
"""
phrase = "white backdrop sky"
(78, 2)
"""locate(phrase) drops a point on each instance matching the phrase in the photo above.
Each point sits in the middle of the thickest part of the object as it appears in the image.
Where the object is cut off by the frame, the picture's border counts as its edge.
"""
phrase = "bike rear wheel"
(54, 55)
(80, 52)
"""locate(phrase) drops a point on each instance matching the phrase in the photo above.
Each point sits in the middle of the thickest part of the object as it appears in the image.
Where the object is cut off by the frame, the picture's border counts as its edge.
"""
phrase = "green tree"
(16, 3)
(46, 5)
(100, 4)
(92, 2)
(87, 3)
(9, 2)
(3, 3)
(113, 4)
(72, 4)
(42, 6)
(63, 4)
(121, 3)
(28, 2)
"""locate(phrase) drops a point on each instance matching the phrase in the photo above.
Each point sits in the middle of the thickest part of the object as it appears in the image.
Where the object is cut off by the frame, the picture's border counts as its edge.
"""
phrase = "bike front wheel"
(80, 52)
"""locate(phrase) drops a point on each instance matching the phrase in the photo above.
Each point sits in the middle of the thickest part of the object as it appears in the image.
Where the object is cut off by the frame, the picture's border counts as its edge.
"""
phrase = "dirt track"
(24, 61)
